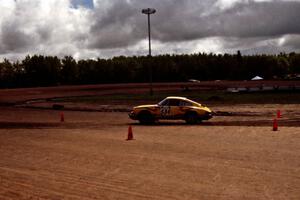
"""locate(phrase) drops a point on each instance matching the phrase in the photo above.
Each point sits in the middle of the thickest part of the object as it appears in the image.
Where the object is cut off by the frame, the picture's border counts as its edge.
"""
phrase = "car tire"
(146, 117)
(192, 118)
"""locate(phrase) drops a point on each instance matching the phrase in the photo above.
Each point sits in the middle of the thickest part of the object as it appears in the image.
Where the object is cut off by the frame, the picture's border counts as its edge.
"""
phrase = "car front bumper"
(132, 115)
(207, 116)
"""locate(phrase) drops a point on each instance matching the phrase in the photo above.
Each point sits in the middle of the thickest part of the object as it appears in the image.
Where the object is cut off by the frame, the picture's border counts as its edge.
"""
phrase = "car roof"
(174, 97)
(184, 99)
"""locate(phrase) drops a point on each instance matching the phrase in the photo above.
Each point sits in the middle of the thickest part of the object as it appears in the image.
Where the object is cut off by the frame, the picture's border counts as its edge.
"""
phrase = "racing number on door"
(165, 111)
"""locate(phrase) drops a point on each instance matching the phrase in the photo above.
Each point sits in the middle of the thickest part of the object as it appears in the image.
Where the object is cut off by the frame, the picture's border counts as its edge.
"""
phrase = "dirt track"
(87, 157)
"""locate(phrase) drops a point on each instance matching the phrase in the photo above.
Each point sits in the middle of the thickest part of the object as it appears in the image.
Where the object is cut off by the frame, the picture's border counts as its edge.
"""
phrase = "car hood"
(206, 109)
(145, 106)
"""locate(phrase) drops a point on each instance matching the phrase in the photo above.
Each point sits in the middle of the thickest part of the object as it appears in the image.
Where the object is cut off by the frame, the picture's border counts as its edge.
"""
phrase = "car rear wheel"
(192, 118)
(146, 117)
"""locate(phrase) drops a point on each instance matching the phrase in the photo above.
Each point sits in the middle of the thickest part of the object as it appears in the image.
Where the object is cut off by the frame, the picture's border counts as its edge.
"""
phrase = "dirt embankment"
(11, 96)
(235, 155)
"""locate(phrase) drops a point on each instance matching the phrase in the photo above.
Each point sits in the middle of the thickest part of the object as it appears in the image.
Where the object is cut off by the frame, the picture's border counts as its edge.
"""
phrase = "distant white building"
(257, 78)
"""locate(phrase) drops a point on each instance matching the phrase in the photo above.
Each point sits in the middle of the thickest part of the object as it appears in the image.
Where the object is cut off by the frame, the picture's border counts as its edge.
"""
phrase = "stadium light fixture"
(148, 12)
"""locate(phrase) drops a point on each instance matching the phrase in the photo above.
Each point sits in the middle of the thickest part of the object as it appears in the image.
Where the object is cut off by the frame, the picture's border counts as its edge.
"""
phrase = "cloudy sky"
(107, 28)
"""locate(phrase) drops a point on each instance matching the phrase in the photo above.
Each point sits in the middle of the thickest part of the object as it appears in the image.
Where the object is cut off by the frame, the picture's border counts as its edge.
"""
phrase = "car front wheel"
(146, 118)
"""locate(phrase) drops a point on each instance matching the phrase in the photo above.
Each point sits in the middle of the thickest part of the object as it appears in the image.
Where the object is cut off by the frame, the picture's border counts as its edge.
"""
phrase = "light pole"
(149, 11)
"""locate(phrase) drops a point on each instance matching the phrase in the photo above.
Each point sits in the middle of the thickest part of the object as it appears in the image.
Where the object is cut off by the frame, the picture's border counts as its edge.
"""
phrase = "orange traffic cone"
(62, 117)
(275, 125)
(278, 114)
(130, 134)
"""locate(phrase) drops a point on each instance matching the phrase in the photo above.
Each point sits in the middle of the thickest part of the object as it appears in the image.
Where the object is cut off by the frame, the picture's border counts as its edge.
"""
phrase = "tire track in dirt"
(71, 186)
(167, 161)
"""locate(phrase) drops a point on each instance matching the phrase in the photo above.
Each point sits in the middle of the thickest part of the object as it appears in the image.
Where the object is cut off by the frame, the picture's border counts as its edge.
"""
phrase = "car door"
(184, 106)
(174, 108)
(164, 109)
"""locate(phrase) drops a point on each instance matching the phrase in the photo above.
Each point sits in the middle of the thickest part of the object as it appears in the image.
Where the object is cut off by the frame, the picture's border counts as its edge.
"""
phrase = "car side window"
(185, 103)
(174, 102)
(164, 103)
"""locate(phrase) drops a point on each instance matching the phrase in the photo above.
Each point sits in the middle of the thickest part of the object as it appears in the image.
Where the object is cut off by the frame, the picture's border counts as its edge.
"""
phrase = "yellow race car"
(171, 108)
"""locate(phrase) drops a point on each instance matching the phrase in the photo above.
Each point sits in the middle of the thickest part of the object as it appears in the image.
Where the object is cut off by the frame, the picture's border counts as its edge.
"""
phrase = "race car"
(177, 108)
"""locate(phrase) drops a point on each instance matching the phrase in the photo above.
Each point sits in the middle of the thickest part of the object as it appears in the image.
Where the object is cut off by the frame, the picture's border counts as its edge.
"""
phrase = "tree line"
(39, 70)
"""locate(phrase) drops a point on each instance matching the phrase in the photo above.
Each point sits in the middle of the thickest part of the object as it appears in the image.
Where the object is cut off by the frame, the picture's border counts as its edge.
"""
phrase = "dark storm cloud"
(259, 19)
(114, 27)
(123, 23)
(292, 41)
(52, 27)
(177, 21)
(20, 32)
(15, 39)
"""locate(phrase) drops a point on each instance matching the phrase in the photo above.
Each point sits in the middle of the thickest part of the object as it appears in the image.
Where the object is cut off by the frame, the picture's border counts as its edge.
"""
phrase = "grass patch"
(207, 97)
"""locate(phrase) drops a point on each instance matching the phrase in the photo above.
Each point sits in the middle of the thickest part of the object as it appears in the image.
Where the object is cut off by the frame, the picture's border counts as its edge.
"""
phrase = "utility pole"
(148, 12)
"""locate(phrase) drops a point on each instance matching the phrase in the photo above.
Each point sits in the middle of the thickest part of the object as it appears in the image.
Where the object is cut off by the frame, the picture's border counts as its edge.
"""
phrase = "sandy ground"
(88, 157)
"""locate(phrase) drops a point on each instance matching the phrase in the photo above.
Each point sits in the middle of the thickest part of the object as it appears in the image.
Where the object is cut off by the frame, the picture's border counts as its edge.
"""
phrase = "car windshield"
(169, 102)
(163, 102)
